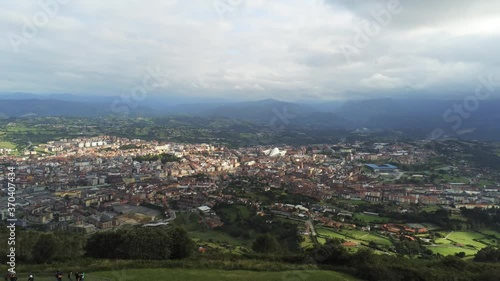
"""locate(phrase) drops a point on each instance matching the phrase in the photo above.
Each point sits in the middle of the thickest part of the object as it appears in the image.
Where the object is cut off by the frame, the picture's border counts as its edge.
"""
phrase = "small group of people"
(79, 276)
(12, 276)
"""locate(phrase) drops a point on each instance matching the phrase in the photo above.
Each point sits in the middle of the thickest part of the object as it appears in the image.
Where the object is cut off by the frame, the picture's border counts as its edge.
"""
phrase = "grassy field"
(203, 275)
(332, 234)
(217, 236)
(455, 179)
(6, 144)
(357, 236)
(467, 238)
(491, 237)
(448, 249)
(462, 241)
(367, 237)
(307, 243)
(492, 233)
(371, 219)
(321, 240)
(217, 247)
(458, 217)
(234, 212)
(216, 275)
(202, 235)
(441, 241)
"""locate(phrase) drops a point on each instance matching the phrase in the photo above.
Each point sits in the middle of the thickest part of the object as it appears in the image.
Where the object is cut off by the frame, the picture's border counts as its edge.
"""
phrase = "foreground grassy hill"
(216, 275)
(204, 275)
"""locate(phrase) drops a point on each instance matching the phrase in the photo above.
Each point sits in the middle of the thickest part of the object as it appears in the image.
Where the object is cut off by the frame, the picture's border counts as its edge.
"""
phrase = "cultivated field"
(468, 242)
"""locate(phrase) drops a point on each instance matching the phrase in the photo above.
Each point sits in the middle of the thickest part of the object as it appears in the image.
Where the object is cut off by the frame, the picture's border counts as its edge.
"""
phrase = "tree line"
(488, 254)
(482, 218)
(148, 243)
(172, 242)
(35, 246)
(164, 157)
(367, 265)
(143, 243)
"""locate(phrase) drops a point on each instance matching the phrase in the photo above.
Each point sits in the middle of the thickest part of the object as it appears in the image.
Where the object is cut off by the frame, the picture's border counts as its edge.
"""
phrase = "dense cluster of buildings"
(87, 184)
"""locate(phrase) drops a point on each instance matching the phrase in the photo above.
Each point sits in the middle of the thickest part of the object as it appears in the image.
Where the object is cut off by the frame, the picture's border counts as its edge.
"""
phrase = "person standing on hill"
(82, 276)
(31, 278)
(69, 275)
(13, 276)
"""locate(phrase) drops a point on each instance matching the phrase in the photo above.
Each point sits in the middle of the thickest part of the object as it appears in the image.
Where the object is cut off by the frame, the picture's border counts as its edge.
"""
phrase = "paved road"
(172, 216)
(311, 227)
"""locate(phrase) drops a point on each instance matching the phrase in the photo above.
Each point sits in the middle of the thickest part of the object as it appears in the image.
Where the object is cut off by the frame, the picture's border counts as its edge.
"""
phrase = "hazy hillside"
(420, 116)
(54, 107)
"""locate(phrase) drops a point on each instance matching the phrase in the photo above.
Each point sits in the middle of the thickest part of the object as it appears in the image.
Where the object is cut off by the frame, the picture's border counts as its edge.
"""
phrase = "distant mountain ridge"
(54, 107)
(398, 114)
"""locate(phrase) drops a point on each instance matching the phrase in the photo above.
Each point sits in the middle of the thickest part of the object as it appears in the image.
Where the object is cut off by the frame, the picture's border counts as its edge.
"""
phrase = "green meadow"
(203, 275)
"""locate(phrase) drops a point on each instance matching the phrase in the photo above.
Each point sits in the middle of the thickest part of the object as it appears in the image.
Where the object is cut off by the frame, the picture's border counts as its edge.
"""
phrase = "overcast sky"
(251, 49)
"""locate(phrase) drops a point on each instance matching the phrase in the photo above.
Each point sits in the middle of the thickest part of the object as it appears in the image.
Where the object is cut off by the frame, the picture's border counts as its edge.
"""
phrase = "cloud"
(284, 49)
(381, 81)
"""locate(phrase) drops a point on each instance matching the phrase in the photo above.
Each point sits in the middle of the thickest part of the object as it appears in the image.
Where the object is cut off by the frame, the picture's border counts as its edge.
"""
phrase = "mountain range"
(423, 115)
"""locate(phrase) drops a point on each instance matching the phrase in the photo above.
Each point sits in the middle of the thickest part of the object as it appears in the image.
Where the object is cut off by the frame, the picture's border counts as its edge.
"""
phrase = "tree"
(26, 239)
(107, 244)
(148, 243)
(266, 243)
(181, 246)
(332, 252)
(363, 256)
(45, 248)
(460, 255)
(488, 254)
(372, 244)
